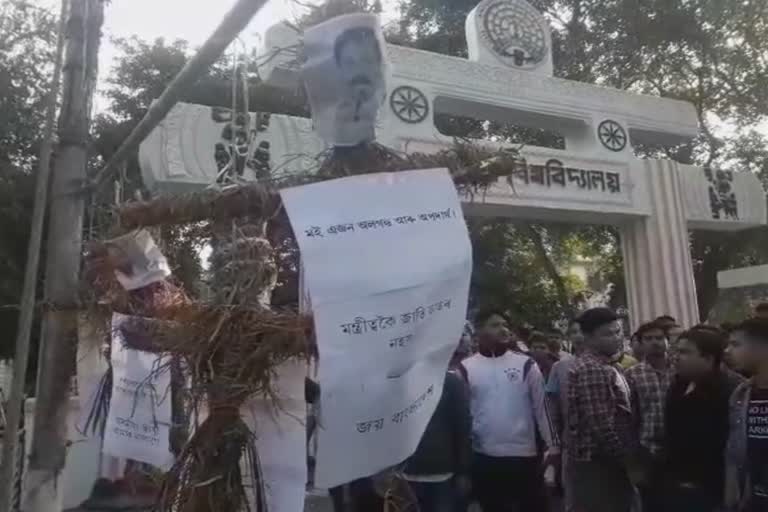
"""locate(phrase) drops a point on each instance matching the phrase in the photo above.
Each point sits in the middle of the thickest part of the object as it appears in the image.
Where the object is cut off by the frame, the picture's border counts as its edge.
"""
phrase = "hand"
(464, 485)
(553, 458)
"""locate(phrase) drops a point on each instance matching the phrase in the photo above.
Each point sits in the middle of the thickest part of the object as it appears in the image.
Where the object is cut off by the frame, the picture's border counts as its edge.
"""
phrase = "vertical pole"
(64, 247)
(11, 448)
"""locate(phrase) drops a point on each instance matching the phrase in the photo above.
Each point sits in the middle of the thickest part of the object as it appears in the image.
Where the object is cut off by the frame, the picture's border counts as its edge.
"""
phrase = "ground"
(316, 502)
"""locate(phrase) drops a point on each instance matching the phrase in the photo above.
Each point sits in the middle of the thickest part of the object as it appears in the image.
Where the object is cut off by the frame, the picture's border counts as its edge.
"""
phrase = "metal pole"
(229, 28)
(8, 462)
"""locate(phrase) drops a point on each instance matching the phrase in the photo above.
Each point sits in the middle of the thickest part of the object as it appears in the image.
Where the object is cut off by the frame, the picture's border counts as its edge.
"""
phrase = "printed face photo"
(359, 61)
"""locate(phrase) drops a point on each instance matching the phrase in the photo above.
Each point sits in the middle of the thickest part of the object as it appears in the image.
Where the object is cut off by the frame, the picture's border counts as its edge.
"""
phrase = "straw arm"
(253, 200)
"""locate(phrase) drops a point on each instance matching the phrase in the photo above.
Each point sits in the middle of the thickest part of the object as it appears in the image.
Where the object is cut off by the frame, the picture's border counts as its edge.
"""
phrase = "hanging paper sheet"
(139, 418)
(281, 437)
(344, 75)
(387, 263)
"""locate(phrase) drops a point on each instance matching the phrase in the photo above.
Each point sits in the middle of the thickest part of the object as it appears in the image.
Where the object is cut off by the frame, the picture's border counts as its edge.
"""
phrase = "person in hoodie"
(508, 405)
(438, 472)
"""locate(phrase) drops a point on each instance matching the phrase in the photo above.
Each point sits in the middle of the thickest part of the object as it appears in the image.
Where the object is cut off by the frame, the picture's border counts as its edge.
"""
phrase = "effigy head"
(344, 73)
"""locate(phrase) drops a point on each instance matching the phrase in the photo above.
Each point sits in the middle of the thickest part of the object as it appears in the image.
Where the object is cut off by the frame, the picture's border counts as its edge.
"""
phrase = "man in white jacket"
(508, 404)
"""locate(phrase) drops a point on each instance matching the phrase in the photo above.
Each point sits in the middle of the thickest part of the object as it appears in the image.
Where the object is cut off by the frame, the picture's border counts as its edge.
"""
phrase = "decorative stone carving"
(612, 135)
(194, 143)
(722, 199)
(514, 32)
(719, 200)
(409, 104)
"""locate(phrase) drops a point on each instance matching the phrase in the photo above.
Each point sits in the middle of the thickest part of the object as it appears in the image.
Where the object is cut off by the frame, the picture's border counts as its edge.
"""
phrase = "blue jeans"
(434, 496)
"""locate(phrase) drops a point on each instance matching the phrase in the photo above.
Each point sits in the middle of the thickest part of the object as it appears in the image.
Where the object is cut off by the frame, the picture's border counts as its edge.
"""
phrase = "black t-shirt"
(757, 448)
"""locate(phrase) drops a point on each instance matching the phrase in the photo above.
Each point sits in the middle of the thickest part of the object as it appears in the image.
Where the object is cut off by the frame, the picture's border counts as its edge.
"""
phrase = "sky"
(191, 20)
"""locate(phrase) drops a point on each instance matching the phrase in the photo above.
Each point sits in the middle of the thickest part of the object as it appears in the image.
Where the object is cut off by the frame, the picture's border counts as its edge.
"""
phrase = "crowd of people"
(674, 420)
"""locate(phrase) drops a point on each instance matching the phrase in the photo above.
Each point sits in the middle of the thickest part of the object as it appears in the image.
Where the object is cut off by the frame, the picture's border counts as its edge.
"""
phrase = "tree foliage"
(712, 54)
(27, 45)
(140, 75)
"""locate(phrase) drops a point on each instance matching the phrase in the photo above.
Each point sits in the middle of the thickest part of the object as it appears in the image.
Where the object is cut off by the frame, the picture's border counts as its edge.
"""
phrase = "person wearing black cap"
(600, 419)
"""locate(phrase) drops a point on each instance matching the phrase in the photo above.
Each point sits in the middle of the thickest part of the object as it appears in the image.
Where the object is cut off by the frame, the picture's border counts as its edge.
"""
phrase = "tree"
(27, 45)
(140, 74)
(711, 54)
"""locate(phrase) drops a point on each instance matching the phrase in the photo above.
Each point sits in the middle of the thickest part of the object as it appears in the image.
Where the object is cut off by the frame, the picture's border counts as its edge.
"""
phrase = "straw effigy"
(230, 348)
(229, 352)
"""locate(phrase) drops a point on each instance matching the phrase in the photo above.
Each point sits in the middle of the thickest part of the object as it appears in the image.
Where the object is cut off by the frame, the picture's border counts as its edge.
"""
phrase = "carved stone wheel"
(612, 135)
(409, 104)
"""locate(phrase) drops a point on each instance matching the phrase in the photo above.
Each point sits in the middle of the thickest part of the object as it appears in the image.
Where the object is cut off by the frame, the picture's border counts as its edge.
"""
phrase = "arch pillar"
(657, 261)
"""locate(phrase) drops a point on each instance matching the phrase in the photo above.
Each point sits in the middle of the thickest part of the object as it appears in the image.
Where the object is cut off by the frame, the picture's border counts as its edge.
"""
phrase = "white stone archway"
(508, 78)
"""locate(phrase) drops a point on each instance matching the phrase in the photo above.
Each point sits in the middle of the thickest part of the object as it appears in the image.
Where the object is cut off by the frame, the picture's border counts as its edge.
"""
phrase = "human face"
(606, 340)
(361, 74)
(691, 364)
(539, 348)
(745, 353)
(574, 334)
(653, 343)
(493, 335)
(737, 352)
(555, 343)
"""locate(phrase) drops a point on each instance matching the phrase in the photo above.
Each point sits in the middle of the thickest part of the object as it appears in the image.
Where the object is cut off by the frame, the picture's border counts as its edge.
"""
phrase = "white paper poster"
(139, 418)
(281, 438)
(140, 262)
(387, 263)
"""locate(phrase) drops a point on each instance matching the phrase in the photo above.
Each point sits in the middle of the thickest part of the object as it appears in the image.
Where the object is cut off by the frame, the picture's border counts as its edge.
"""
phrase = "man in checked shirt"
(649, 382)
(600, 419)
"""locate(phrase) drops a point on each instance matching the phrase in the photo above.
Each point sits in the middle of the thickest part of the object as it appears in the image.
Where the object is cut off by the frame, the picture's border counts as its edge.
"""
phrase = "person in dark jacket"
(747, 449)
(696, 427)
(438, 471)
